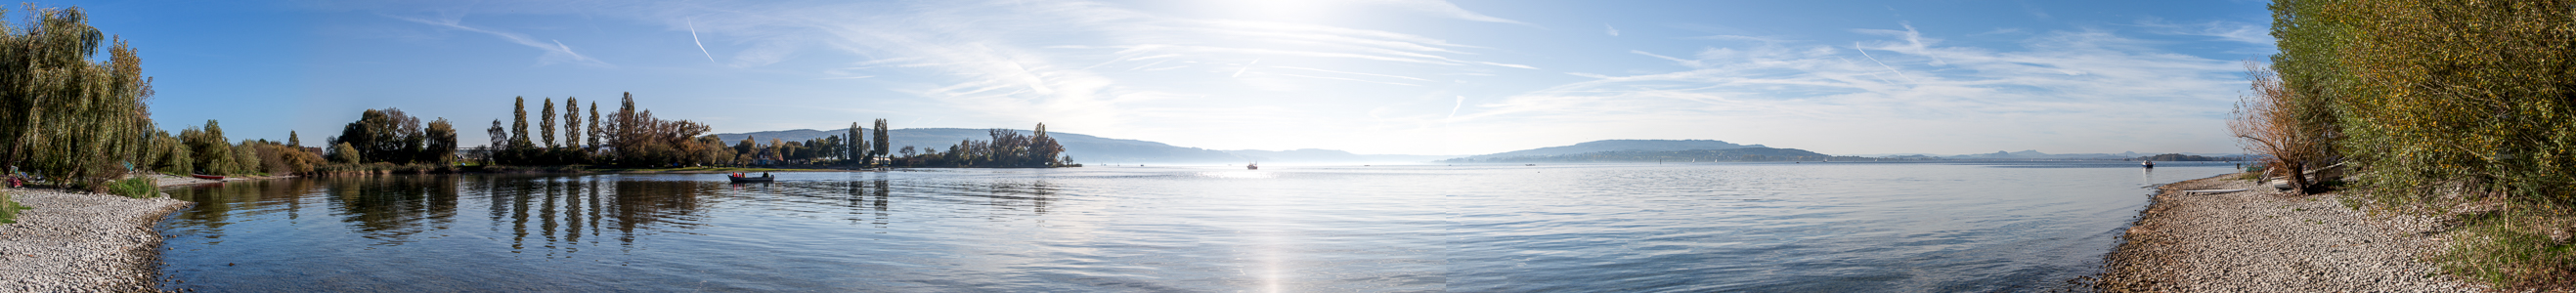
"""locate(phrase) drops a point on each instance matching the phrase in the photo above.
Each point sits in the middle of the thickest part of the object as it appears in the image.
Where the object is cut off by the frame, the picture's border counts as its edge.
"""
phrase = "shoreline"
(2261, 240)
(72, 241)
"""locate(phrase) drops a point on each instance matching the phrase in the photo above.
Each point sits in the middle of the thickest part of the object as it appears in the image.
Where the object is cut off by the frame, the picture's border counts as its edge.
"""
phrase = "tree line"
(632, 137)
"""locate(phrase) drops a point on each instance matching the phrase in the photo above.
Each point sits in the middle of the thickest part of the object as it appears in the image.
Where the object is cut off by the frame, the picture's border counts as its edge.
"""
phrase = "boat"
(1253, 166)
(748, 179)
(204, 176)
(2148, 164)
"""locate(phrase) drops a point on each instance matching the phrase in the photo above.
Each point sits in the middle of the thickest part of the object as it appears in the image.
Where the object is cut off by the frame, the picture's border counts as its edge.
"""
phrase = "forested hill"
(1745, 154)
(1619, 145)
(1084, 148)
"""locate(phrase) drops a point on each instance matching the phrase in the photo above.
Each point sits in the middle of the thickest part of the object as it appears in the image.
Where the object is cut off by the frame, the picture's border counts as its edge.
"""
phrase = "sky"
(1368, 76)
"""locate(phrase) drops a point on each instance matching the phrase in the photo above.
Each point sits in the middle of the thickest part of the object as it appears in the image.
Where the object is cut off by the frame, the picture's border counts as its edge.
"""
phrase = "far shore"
(2260, 240)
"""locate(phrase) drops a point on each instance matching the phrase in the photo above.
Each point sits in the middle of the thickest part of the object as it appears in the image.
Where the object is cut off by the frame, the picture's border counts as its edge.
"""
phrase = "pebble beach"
(2264, 241)
(74, 241)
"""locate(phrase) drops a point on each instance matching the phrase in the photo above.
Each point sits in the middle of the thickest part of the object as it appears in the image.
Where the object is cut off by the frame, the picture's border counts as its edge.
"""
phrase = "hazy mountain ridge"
(1747, 154)
(1620, 145)
(1330, 156)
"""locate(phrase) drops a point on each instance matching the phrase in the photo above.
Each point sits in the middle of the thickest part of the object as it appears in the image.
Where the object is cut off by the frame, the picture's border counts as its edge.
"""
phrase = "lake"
(1789, 227)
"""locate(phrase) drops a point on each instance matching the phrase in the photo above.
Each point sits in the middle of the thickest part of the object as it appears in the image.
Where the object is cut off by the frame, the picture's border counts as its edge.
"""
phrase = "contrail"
(1453, 109)
(1865, 53)
(1246, 67)
(693, 38)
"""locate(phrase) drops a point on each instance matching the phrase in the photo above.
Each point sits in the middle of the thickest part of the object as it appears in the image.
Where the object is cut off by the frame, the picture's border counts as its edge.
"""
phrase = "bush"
(137, 187)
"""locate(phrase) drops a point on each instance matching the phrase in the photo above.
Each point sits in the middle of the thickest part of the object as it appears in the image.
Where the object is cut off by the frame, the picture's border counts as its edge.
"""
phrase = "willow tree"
(64, 113)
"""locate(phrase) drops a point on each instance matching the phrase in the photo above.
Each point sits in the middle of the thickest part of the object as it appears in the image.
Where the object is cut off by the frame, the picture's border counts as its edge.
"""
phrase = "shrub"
(137, 187)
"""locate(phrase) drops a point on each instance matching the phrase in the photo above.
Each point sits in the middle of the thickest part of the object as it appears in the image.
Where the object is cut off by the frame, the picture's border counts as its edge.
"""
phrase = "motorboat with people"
(1253, 166)
(746, 178)
(2148, 164)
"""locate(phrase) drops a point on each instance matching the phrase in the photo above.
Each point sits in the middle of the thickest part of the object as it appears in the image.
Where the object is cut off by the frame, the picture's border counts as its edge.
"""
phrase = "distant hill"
(1330, 156)
(1084, 148)
(1746, 154)
(1619, 145)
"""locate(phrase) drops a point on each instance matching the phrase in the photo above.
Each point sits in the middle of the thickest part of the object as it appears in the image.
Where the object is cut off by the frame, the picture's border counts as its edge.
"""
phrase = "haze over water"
(1478, 228)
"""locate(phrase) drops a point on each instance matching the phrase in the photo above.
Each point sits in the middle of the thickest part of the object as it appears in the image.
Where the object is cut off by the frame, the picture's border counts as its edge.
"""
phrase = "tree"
(594, 128)
(385, 135)
(345, 154)
(500, 138)
(64, 113)
(881, 140)
(213, 153)
(440, 146)
(572, 122)
(2267, 122)
(546, 124)
(858, 147)
(519, 124)
(292, 141)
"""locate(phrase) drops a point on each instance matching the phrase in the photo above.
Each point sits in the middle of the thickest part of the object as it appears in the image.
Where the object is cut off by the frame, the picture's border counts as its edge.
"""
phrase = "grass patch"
(2514, 248)
(9, 208)
(136, 187)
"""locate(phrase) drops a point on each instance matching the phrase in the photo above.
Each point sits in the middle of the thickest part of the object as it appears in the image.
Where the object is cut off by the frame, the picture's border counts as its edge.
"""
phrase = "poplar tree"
(594, 127)
(546, 124)
(519, 124)
(881, 138)
(572, 122)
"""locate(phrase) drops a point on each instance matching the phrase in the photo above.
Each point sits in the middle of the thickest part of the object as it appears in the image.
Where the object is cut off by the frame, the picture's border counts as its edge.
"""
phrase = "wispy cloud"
(1444, 8)
(2068, 90)
(1613, 30)
(1097, 64)
(555, 50)
(2223, 30)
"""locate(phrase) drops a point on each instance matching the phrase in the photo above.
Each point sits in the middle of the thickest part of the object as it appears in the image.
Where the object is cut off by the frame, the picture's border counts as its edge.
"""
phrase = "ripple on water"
(1674, 227)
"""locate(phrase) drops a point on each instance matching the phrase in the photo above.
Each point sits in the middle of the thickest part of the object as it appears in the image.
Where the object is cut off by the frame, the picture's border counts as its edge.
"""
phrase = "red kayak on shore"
(204, 176)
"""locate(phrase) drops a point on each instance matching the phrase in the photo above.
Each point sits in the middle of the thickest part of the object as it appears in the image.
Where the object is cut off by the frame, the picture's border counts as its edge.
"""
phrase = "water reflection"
(1710, 227)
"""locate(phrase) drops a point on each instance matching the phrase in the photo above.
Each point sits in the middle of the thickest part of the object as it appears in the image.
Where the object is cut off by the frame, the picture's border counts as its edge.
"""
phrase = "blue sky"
(1368, 76)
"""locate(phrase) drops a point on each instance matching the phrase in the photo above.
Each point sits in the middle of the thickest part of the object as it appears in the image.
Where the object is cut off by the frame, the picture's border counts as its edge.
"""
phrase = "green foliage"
(136, 187)
(343, 153)
(173, 156)
(546, 124)
(212, 154)
(1008, 149)
(64, 114)
(2444, 102)
(245, 159)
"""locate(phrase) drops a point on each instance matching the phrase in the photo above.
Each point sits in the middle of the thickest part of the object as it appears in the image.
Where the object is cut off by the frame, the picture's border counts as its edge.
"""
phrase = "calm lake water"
(1483, 228)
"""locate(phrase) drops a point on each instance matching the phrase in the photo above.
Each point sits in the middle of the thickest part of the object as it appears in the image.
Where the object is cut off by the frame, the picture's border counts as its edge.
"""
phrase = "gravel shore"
(81, 242)
(2263, 241)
